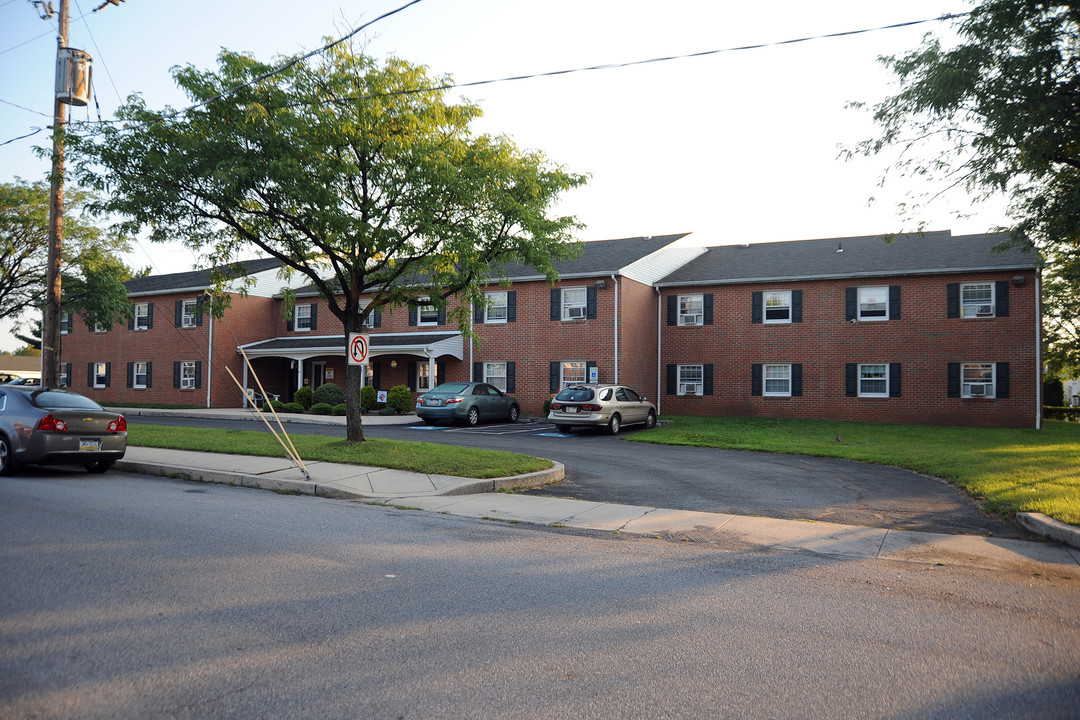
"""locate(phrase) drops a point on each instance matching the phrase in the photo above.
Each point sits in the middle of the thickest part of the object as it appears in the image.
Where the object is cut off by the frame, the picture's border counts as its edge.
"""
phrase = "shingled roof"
(850, 257)
(599, 257)
(193, 279)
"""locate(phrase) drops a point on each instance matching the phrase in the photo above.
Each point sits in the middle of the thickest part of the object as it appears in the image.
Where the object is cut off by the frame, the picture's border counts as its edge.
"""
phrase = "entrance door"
(318, 374)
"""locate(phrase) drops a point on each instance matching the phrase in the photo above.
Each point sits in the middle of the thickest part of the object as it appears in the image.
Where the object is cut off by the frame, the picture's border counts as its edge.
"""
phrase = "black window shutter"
(108, 374)
(755, 379)
(440, 373)
(131, 322)
(511, 377)
(851, 379)
(442, 316)
(590, 302)
(378, 318)
(411, 379)
(954, 380)
(198, 374)
(131, 374)
(176, 374)
(289, 322)
(796, 306)
(672, 379)
(556, 295)
(894, 302)
(707, 377)
(952, 295)
(796, 379)
(478, 371)
(89, 375)
(412, 316)
(1002, 388)
(478, 313)
(707, 306)
(149, 374)
(1001, 298)
(755, 307)
(179, 310)
(198, 312)
(894, 379)
(67, 373)
(314, 316)
(149, 316)
(849, 303)
(511, 307)
(673, 309)
(553, 371)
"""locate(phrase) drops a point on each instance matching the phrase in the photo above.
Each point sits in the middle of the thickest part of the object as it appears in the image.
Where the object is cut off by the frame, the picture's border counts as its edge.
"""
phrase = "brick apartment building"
(930, 329)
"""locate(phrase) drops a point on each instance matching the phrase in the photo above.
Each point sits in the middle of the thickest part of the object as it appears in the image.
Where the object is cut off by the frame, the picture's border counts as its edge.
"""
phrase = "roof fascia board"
(842, 276)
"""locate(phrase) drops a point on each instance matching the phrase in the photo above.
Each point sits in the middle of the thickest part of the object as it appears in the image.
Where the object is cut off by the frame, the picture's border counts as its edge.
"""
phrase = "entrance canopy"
(430, 345)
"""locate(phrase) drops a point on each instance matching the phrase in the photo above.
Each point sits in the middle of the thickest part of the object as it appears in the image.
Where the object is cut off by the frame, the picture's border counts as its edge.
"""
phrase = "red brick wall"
(924, 340)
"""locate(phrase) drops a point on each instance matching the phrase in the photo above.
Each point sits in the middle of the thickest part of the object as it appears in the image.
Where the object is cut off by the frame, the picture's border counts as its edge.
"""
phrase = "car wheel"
(614, 424)
(474, 417)
(563, 428)
(7, 457)
(99, 467)
(650, 420)
(514, 413)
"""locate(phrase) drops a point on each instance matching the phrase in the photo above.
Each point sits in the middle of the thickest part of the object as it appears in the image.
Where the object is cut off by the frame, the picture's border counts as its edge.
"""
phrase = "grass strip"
(428, 458)
(1007, 470)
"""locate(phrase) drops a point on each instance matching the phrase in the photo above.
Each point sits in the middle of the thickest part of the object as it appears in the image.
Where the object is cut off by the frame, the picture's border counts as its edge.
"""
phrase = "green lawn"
(397, 454)
(1009, 471)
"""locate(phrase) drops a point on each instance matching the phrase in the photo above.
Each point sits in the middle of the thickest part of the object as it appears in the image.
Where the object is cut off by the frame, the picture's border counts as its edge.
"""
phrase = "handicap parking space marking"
(426, 427)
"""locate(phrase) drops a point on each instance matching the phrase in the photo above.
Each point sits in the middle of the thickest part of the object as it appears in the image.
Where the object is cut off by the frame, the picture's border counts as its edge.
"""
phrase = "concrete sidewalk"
(477, 499)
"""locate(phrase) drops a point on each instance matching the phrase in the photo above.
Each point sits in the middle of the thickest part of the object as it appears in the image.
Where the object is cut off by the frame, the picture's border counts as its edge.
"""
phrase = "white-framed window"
(874, 380)
(497, 306)
(369, 373)
(977, 299)
(302, 318)
(65, 322)
(101, 375)
(101, 328)
(574, 303)
(777, 306)
(423, 377)
(142, 316)
(189, 314)
(874, 303)
(691, 309)
(495, 374)
(777, 380)
(187, 376)
(978, 380)
(64, 376)
(427, 314)
(691, 380)
(369, 321)
(138, 375)
(573, 373)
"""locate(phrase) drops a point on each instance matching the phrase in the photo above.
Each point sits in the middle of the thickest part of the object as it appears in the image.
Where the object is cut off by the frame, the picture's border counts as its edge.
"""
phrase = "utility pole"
(50, 330)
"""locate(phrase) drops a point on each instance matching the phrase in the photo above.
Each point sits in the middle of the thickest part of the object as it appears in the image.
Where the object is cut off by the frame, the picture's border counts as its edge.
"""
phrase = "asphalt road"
(602, 468)
(127, 596)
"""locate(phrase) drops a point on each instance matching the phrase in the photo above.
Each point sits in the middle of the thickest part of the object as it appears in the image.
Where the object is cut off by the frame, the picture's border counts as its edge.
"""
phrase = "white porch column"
(431, 369)
(299, 373)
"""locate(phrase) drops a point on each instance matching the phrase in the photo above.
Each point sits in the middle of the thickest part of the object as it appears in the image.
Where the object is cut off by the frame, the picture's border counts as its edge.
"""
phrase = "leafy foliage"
(368, 397)
(357, 175)
(1003, 108)
(329, 393)
(322, 408)
(399, 399)
(303, 395)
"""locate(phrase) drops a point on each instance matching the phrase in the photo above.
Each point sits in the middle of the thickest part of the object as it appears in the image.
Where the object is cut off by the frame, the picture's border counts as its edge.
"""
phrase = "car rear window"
(56, 400)
(575, 394)
(450, 388)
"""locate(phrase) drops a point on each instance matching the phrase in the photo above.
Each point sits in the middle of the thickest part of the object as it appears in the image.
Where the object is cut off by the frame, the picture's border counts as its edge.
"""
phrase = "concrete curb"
(1048, 527)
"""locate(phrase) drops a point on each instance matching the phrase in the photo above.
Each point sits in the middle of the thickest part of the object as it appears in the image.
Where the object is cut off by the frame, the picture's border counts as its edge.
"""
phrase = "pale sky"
(734, 147)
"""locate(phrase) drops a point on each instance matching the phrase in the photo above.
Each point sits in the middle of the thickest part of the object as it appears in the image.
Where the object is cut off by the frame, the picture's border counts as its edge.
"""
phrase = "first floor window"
(874, 303)
(573, 373)
(978, 380)
(187, 376)
(977, 299)
(778, 380)
(778, 306)
(874, 380)
(64, 375)
(495, 374)
(423, 376)
(497, 304)
(691, 380)
(691, 309)
(101, 375)
(140, 374)
(574, 303)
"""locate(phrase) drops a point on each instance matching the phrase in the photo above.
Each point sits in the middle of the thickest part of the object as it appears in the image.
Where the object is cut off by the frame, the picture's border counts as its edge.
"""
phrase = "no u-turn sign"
(358, 348)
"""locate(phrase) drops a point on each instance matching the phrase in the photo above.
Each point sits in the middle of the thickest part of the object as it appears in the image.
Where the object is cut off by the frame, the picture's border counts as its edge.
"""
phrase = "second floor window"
(496, 307)
(691, 309)
(874, 303)
(777, 306)
(574, 303)
(977, 299)
(189, 312)
(303, 317)
(142, 316)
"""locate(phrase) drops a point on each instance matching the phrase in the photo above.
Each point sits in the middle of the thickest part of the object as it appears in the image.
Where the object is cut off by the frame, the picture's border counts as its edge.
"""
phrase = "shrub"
(276, 404)
(400, 400)
(322, 408)
(341, 409)
(547, 406)
(368, 397)
(1053, 393)
(293, 407)
(329, 393)
(303, 396)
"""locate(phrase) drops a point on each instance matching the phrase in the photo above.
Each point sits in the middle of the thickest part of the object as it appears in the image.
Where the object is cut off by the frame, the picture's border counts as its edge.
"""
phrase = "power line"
(29, 134)
(36, 112)
(101, 57)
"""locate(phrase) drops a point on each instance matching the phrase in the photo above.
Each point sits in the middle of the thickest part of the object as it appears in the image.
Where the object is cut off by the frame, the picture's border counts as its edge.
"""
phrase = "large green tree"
(997, 113)
(356, 174)
(92, 268)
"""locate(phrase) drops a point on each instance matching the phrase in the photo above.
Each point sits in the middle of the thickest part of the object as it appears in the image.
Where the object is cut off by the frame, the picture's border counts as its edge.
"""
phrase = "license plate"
(572, 409)
(431, 402)
(93, 444)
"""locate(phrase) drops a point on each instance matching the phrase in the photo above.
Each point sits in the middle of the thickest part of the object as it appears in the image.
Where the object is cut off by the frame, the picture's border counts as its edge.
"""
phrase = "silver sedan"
(600, 405)
(43, 425)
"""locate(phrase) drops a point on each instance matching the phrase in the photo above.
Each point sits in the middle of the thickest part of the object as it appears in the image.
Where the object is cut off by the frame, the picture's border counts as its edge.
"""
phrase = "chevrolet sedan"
(466, 402)
(606, 406)
(45, 425)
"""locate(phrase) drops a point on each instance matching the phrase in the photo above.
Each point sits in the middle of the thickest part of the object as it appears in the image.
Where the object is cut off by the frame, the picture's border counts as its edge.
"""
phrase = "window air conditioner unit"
(575, 312)
(691, 320)
(984, 310)
(691, 388)
(977, 390)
